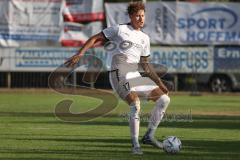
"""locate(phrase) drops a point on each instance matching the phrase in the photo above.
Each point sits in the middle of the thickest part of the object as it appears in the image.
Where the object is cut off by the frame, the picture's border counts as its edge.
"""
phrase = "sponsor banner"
(184, 59)
(25, 20)
(48, 59)
(83, 10)
(159, 21)
(176, 59)
(116, 13)
(227, 59)
(76, 34)
(185, 23)
(208, 23)
(5, 59)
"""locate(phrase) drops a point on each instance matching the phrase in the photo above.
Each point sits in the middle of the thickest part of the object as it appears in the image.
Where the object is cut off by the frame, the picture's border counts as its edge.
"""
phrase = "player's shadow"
(203, 149)
(202, 122)
(119, 149)
(196, 121)
(212, 148)
(62, 154)
(78, 140)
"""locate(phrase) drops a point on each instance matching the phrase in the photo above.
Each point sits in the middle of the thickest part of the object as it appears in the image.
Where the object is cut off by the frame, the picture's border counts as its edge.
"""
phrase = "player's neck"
(135, 27)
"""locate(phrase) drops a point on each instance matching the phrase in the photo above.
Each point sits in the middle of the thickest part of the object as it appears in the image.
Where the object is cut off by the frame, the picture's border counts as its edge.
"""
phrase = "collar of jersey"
(131, 27)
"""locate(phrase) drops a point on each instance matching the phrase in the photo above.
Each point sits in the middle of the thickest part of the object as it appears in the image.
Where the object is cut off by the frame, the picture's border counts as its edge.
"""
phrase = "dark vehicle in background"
(226, 76)
(216, 82)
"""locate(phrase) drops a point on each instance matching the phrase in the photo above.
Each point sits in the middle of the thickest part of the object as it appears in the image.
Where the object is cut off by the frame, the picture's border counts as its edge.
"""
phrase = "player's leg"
(134, 120)
(122, 87)
(162, 101)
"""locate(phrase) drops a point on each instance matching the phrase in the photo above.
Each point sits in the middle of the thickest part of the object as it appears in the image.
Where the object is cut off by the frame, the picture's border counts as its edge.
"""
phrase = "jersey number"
(126, 86)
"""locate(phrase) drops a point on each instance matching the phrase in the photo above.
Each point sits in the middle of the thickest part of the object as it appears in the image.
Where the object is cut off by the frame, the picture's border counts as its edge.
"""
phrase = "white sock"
(157, 114)
(134, 122)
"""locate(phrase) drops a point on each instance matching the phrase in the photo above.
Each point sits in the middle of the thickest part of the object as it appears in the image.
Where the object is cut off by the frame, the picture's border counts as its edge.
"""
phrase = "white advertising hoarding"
(76, 34)
(48, 59)
(184, 59)
(208, 23)
(184, 23)
(175, 59)
(83, 10)
(26, 21)
(5, 59)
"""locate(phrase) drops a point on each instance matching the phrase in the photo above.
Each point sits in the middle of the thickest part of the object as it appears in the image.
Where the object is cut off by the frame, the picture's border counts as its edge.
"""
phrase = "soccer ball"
(172, 145)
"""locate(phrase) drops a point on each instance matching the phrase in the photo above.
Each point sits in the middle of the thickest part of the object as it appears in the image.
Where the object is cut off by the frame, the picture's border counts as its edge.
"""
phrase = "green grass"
(208, 127)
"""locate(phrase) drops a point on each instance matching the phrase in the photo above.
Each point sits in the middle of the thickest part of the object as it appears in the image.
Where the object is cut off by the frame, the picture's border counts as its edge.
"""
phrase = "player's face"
(138, 19)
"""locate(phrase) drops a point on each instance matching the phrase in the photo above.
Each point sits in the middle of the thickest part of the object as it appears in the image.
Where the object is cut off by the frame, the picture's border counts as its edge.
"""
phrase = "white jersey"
(123, 39)
(125, 46)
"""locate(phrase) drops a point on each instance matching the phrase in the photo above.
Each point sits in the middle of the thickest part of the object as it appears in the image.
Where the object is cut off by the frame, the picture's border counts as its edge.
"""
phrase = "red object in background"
(84, 17)
(75, 43)
(71, 43)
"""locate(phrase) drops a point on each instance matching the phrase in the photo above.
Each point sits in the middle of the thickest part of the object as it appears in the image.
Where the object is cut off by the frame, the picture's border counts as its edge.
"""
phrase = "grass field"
(207, 125)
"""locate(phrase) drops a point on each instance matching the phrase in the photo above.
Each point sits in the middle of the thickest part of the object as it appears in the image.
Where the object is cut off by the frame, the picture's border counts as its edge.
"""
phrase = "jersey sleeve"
(110, 32)
(146, 50)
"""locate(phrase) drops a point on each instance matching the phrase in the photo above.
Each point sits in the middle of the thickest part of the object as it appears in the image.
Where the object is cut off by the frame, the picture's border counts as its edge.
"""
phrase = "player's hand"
(73, 60)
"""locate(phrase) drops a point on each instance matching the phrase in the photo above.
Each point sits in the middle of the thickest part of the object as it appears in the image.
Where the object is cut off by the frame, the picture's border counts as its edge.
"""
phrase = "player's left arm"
(150, 72)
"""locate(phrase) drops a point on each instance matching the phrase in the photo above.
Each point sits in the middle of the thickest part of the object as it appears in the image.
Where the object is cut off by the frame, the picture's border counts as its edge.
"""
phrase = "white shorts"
(132, 81)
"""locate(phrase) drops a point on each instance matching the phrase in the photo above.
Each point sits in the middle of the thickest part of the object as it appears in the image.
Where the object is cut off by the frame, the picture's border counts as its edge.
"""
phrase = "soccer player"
(129, 47)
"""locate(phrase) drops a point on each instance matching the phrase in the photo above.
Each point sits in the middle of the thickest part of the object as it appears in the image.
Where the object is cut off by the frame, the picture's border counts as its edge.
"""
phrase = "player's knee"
(135, 108)
(165, 98)
(163, 102)
(132, 98)
(155, 94)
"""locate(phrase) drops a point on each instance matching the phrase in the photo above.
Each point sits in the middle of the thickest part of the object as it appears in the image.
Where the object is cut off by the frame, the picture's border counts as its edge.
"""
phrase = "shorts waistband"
(113, 70)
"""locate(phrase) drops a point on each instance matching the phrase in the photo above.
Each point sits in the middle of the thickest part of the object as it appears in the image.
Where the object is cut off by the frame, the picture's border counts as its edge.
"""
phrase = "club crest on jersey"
(142, 41)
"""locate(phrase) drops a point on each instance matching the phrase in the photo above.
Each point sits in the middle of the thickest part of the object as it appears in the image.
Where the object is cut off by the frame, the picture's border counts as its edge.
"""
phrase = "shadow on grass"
(197, 121)
(98, 148)
(80, 140)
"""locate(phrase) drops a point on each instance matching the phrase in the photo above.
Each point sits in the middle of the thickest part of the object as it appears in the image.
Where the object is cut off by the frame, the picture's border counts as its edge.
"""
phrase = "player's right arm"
(150, 72)
(91, 42)
(148, 68)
